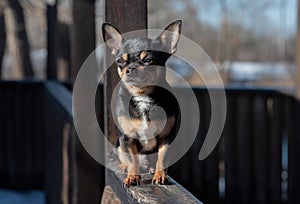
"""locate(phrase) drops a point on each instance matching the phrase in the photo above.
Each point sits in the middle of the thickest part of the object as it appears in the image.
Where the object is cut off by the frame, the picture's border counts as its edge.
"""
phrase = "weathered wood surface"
(109, 196)
(147, 192)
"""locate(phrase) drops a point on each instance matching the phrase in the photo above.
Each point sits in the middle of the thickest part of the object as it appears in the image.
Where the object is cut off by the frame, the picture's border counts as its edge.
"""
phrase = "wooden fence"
(248, 166)
(251, 164)
(39, 148)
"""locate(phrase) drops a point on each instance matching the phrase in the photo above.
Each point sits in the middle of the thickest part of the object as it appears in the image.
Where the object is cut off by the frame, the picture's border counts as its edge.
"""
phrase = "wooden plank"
(38, 105)
(23, 136)
(190, 178)
(293, 117)
(20, 169)
(196, 171)
(11, 128)
(53, 154)
(211, 163)
(244, 149)
(229, 135)
(275, 151)
(260, 153)
(2, 137)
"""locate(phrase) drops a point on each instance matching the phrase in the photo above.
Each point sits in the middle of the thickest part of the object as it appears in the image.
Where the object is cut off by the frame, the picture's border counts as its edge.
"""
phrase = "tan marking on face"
(125, 56)
(143, 55)
(122, 72)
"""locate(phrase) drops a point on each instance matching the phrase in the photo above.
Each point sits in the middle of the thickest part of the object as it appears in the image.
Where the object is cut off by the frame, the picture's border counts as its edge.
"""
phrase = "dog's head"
(140, 60)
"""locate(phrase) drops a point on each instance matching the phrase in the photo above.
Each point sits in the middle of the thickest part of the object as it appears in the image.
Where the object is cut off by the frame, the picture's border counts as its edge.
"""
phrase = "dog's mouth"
(137, 81)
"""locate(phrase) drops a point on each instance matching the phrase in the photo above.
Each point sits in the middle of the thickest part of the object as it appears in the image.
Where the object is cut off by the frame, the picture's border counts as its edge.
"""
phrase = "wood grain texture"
(147, 192)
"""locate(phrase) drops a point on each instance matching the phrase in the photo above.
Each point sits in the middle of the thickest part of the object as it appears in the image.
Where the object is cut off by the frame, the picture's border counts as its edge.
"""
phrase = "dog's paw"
(132, 180)
(160, 178)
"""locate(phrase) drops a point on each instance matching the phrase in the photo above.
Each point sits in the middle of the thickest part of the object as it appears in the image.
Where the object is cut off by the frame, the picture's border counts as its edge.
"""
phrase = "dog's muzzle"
(130, 71)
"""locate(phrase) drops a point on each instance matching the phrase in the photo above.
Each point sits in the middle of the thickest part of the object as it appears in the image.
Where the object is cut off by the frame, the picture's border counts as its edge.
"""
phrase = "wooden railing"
(257, 155)
(39, 148)
(256, 160)
(21, 136)
(72, 176)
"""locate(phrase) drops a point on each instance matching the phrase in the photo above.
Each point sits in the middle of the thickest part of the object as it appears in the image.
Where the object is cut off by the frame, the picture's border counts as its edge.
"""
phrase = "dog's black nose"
(130, 70)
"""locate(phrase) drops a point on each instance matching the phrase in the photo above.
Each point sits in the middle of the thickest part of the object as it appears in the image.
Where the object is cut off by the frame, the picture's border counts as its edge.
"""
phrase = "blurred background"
(253, 44)
(43, 44)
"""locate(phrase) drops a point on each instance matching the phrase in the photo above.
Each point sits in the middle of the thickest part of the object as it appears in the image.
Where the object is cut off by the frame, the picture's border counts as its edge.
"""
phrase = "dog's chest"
(142, 107)
(142, 104)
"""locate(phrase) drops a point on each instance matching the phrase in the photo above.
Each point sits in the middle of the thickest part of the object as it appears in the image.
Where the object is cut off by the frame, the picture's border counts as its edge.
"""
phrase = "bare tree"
(2, 36)
(18, 42)
(52, 39)
(83, 39)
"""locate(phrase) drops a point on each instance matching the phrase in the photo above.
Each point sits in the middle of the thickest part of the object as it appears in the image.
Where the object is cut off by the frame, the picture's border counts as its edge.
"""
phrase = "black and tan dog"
(147, 113)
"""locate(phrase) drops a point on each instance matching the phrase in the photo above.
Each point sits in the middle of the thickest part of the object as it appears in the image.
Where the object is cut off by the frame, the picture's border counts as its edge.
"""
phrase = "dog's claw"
(132, 180)
(160, 178)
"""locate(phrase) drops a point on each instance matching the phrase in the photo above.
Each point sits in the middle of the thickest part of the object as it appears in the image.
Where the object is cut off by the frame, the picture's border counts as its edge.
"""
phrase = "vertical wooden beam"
(127, 16)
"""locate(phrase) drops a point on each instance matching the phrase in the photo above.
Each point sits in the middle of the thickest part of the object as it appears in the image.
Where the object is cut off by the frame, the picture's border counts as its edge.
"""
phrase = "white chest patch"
(143, 103)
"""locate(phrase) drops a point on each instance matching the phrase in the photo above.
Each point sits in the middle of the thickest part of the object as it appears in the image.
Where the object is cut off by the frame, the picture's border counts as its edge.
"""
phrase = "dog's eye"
(120, 61)
(148, 60)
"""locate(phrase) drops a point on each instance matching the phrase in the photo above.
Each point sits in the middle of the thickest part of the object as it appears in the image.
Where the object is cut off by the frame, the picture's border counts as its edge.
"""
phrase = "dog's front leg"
(128, 155)
(160, 175)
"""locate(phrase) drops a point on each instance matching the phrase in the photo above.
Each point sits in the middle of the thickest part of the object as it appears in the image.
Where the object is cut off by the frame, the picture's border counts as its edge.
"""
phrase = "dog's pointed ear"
(112, 37)
(170, 36)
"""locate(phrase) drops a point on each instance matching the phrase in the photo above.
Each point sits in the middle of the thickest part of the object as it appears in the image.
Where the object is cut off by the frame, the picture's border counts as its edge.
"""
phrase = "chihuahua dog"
(147, 113)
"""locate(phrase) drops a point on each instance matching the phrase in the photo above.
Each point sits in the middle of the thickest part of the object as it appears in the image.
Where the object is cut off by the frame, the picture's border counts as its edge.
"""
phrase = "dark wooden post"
(128, 15)
(52, 39)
